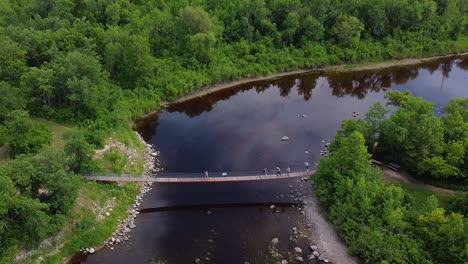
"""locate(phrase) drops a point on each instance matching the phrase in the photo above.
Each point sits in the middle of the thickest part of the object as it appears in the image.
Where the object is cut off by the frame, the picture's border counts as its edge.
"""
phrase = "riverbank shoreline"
(325, 69)
(324, 233)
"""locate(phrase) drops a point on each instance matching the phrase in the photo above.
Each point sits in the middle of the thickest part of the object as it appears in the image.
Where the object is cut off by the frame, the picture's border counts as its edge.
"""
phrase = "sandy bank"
(325, 235)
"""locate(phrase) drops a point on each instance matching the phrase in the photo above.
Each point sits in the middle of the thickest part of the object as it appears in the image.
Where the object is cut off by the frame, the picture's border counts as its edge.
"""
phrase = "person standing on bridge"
(278, 171)
(265, 171)
(307, 166)
(206, 174)
(288, 170)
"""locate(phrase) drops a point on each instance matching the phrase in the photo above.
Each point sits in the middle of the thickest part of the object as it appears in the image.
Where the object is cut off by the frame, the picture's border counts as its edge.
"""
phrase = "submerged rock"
(285, 138)
(275, 240)
(298, 250)
(300, 259)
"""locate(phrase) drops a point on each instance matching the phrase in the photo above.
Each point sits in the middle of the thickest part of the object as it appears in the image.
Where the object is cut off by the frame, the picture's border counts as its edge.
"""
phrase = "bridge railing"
(164, 174)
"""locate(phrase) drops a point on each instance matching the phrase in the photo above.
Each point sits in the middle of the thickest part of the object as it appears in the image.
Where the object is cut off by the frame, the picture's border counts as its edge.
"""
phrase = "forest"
(97, 64)
(382, 223)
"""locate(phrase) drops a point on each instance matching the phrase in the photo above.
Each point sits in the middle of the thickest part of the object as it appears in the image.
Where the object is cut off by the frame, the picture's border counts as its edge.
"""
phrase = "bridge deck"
(201, 179)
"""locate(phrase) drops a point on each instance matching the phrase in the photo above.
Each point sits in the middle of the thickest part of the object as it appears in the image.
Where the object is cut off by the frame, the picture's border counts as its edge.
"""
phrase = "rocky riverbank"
(123, 231)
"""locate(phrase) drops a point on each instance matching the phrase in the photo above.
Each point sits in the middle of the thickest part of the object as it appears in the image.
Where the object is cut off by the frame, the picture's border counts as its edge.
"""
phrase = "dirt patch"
(4, 149)
(403, 176)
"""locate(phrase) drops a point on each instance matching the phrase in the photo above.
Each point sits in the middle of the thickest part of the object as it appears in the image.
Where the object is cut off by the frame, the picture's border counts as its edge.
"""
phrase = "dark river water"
(240, 129)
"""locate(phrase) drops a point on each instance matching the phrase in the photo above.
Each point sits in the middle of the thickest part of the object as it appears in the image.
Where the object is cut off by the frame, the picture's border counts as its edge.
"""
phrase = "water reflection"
(463, 64)
(357, 84)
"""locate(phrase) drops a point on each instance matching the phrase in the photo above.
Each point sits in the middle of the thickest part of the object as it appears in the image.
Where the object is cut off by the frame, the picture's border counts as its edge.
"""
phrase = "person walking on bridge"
(265, 171)
(307, 166)
(278, 171)
(288, 170)
(206, 174)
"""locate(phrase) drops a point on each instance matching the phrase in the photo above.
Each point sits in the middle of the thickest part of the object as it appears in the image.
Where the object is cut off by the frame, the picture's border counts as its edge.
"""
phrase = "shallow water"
(240, 129)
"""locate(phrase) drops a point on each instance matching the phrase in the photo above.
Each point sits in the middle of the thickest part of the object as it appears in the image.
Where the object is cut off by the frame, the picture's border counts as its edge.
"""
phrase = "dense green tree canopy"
(379, 221)
(98, 63)
(24, 135)
(425, 144)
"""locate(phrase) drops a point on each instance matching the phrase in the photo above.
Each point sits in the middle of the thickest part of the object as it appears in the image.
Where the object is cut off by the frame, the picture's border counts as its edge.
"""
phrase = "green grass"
(57, 131)
(420, 194)
(461, 44)
(113, 161)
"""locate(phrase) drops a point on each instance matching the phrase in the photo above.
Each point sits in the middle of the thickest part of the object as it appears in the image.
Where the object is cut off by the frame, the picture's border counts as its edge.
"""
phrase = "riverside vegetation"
(384, 223)
(95, 65)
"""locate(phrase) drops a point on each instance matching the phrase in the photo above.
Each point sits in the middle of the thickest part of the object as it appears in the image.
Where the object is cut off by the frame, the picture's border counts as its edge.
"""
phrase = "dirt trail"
(402, 176)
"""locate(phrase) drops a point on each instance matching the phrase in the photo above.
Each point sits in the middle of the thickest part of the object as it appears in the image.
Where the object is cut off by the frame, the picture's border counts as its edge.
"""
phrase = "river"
(240, 129)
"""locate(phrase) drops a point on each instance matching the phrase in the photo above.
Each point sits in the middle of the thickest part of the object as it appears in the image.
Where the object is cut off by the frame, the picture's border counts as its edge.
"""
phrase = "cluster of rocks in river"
(122, 234)
(299, 254)
(324, 151)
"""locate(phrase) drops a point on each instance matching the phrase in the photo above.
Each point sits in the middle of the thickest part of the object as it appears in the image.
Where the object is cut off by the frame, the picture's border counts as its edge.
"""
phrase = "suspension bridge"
(200, 177)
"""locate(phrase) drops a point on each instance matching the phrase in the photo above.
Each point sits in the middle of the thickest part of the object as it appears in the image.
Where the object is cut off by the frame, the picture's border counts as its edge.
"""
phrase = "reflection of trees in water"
(197, 106)
(147, 126)
(446, 68)
(357, 84)
(360, 83)
(431, 66)
(444, 65)
(463, 64)
(285, 85)
(306, 84)
(401, 75)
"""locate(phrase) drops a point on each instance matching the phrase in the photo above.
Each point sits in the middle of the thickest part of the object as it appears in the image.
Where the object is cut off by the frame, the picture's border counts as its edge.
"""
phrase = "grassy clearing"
(461, 44)
(127, 136)
(57, 132)
(420, 194)
(113, 161)
(123, 153)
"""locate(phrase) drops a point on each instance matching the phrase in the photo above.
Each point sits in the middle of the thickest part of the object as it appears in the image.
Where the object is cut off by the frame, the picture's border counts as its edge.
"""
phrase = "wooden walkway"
(201, 179)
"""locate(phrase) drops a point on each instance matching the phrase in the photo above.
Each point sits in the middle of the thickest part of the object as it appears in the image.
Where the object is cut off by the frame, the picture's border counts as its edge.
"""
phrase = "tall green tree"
(11, 99)
(12, 60)
(24, 135)
(79, 152)
(444, 236)
(347, 30)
